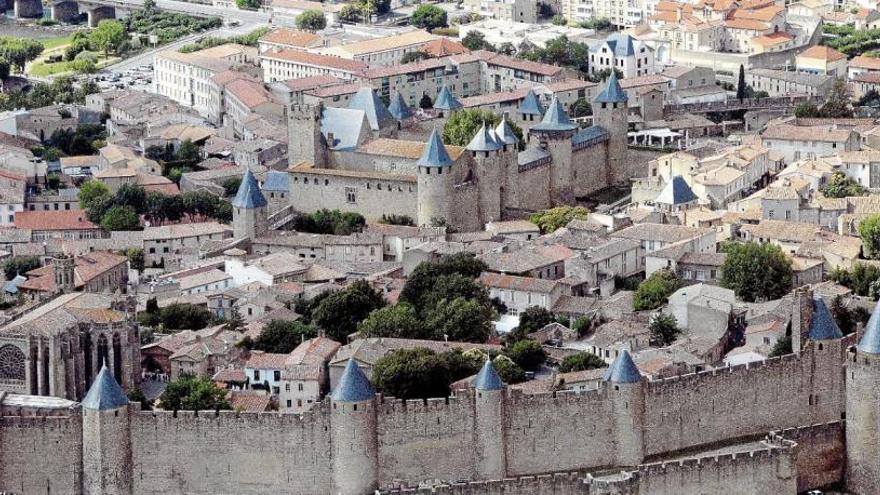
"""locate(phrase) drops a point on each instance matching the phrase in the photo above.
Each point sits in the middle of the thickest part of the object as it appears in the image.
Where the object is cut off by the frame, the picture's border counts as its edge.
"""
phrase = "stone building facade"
(356, 442)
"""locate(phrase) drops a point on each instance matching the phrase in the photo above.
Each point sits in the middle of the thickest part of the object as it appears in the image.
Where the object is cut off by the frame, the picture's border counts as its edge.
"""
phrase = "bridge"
(732, 105)
(98, 10)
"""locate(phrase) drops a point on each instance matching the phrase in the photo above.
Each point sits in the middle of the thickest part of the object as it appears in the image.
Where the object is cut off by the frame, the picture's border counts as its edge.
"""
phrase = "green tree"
(4, 69)
(351, 13)
(235, 320)
(582, 325)
(837, 101)
(177, 316)
(231, 185)
(664, 330)
(756, 271)
(806, 110)
(781, 347)
(329, 222)
(555, 218)
(461, 320)
(860, 279)
(528, 354)
(534, 318)
(135, 258)
(340, 313)
(120, 218)
(446, 279)
(53, 181)
(191, 393)
(420, 373)
(410, 57)
(248, 4)
(842, 186)
(581, 108)
(462, 125)
(136, 395)
(474, 40)
(311, 21)
(400, 320)
(581, 361)
(558, 20)
(108, 36)
(133, 196)
(428, 17)
(392, 219)
(655, 291)
(283, 336)
(869, 231)
(90, 191)
(741, 91)
(426, 102)
(20, 265)
(509, 372)
(84, 66)
(19, 51)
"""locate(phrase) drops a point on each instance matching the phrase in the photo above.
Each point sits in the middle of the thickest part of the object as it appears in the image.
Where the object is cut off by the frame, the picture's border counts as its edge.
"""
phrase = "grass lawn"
(45, 69)
(60, 41)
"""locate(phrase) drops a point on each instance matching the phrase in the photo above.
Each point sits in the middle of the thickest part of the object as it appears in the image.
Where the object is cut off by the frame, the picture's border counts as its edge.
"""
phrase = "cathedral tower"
(64, 266)
(434, 182)
(863, 411)
(355, 450)
(106, 444)
(491, 450)
(610, 113)
(627, 394)
(249, 209)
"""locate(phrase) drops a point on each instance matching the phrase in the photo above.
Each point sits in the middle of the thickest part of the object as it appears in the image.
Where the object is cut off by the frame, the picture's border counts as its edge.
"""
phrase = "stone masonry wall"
(820, 457)
(229, 452)
(40, 454)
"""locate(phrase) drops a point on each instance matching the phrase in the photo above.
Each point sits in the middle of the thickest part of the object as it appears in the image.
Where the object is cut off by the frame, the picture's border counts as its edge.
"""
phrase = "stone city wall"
(41, 454)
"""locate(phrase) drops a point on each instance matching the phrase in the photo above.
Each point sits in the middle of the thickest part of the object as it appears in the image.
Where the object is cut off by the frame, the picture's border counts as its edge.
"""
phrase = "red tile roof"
(53, 220)
(317, 60)
(444, 47)
(291, 37)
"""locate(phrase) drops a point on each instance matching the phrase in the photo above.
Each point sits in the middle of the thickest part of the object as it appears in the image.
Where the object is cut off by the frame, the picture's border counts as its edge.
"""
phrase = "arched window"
(117, 358)
(11, 363)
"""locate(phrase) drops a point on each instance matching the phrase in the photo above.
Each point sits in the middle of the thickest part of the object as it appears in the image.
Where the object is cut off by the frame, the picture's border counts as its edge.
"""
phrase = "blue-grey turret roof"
(249, 194)
(505, 133)
(555, 119)
(822, 325)
(623, 370)
(612, 93)
(530, 105)
(353, 386)
(446, 100)
(398, 108)
(484, 141)
(105, 393)
(435, 154)
(487, 378)
(676, 192)
(367, 101)
(870, 341)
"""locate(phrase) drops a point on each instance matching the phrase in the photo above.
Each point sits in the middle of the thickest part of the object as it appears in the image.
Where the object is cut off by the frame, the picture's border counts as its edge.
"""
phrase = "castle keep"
(350, 156)
(644, 432)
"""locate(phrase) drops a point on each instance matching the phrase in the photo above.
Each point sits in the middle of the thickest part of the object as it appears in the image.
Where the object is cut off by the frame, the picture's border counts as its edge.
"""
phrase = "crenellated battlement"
(690, 380)
(545, 483)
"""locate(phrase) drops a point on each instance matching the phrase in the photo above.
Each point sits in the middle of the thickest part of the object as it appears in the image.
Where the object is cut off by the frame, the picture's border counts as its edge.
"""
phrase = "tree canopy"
(19, 265)
(191, 393)
(421, 373)
(311, 20)
(120, 218)
(869, 231)
(528, 354)
(282, 336)
(414, 56)
(340, 313)
(428, 17)
(654, 292)
(400, 320)
(842, 186)
(552, 219)
(329, 222)
(463, 124)
(861, 279)
(581, 361)
(756, 271)
(108, 36)
(664, 330)
(177, 316)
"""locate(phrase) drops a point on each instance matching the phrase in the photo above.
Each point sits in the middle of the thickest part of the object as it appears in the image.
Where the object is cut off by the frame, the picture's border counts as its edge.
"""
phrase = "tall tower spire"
(249, 216)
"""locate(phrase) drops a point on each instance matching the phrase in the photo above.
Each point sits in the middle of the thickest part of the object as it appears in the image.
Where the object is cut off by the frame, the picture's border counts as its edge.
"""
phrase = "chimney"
(678, 13)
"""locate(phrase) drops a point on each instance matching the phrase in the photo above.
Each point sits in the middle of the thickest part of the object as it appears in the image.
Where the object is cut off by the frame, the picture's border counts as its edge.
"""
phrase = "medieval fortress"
(788, 424)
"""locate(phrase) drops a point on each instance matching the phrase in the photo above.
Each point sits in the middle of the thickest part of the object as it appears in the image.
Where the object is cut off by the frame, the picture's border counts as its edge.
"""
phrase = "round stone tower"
(489, 410)
(610, 113)
(627, 395)
(353, 427)
(487, 154)
(827, 394)
(863, 411)
(435, 182)
(64, 266)
(509, 165)
(249, 209)
(106, 440)
(554, 134)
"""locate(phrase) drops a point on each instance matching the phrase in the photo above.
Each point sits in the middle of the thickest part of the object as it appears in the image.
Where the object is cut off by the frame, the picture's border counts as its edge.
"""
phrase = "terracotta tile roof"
(317, 60)
(806, 133)
(865, 62)
(765, 14)
(249, 401)
(868, 77)
(749, 24)
(444, 47)
(494, 97)
(387, 43)
(773, 39)
(53, 220)
(524, 65)
(650, 79)
(309, 168)
(266, 360)
(397, 70)
(511, 282)
(822, 53)
(403, 149)
(250, 93)
(334, 90)
(228, 375)
(291, 37)
(312, 82)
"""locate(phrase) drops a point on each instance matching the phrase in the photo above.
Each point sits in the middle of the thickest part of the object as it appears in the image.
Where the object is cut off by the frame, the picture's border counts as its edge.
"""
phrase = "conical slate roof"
(530, 105)
(623, 370)
(249, 194)
(612, 93)
(483, 141)
(353, 386)
(435, 154)
(555, 119)
(398, 108)
(446, 100)
(487, 378)
(822, 325)
(505, 133)
(367, 101)
(676, 192)
(104, 393)
(870, 342)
